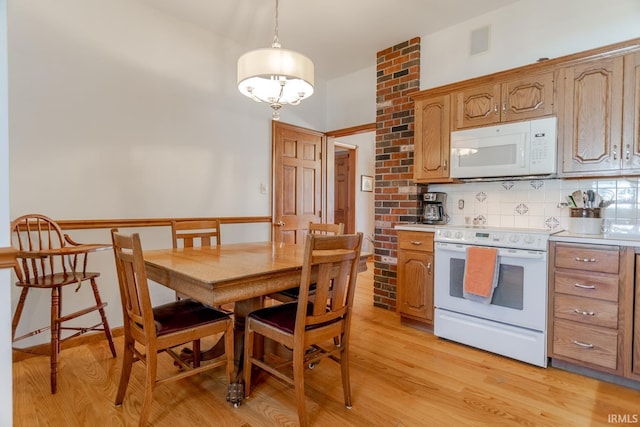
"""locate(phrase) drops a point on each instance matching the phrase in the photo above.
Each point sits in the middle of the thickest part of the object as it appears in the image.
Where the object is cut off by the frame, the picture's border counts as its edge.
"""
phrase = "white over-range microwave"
(506, 150)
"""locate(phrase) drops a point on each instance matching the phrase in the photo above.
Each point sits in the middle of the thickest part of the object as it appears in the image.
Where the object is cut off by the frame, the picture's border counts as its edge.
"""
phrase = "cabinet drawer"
(415, 240)
(587, 259)
(586, 343)
(586, 310)
(590, 285)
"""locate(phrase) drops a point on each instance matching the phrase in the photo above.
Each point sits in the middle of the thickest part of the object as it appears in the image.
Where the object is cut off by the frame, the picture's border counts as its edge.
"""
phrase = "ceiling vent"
(479, 40)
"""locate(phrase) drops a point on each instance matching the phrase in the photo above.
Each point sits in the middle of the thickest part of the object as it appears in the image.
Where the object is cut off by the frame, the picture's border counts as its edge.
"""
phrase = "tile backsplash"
(535, 203)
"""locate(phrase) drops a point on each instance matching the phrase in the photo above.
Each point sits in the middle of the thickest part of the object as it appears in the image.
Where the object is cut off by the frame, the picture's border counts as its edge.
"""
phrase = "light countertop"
(594, 239)
(562, 236)
(430, 228)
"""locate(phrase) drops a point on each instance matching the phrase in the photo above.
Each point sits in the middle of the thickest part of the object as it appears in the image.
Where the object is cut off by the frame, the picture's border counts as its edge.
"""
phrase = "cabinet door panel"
(631, 123)
(415, 284)
(477, 106)
(432, 135)
(527, 98)
(591, 118)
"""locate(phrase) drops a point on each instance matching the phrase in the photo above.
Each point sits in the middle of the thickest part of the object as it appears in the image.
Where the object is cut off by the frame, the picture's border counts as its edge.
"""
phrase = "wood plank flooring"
(400, 376)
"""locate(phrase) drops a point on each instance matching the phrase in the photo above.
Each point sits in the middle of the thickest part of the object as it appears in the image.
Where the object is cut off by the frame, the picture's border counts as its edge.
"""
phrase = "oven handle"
(502, 252)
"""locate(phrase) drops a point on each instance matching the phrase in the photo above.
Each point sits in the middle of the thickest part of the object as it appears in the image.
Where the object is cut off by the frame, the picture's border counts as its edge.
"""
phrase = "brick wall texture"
(396, 195)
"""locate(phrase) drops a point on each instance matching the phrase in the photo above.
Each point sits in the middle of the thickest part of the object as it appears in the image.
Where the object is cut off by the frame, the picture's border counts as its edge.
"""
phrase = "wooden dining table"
(239, 273)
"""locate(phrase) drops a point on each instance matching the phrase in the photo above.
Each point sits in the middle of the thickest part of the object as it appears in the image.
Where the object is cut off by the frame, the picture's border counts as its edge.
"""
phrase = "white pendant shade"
(275, 75)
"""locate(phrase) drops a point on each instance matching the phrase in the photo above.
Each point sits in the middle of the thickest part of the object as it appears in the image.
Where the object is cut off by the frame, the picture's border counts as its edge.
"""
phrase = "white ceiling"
(340, 36)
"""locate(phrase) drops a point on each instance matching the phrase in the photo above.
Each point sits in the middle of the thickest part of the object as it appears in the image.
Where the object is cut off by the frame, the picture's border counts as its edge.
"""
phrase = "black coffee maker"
(434, 208)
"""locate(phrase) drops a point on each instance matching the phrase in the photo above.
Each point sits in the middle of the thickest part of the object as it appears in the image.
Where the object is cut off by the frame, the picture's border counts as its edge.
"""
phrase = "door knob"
(280, 224)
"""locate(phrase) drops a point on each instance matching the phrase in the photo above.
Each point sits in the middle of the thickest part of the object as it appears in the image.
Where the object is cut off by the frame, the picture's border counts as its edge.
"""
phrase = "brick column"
(396, 195)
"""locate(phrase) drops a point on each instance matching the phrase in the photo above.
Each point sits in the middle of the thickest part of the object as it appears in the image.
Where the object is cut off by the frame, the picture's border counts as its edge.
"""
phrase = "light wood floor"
(399, 377)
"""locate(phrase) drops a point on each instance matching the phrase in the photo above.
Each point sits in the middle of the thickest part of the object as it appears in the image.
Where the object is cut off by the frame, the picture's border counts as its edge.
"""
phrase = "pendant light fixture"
(274, 75)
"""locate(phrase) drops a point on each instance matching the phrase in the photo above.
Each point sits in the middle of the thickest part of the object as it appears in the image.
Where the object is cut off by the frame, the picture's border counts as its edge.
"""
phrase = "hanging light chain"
(276, 40)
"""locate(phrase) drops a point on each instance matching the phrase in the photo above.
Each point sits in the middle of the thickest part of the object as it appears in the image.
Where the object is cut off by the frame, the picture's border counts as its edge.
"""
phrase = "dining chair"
(331, 262)
(47, 259)
(317, 229)
(190, 233)
(162, 328)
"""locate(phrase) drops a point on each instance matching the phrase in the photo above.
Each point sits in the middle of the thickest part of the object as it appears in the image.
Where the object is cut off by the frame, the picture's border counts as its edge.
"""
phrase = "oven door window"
(510, 290)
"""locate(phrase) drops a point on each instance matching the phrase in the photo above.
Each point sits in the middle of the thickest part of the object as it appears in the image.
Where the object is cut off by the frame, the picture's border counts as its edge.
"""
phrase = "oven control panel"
(498, 237)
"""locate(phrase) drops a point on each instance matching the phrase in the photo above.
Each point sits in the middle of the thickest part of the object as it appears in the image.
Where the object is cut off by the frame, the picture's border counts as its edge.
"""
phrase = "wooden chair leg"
(18, 313)
(228, 346)
(55, 337)
(150, 383)
(298, 383)
(103, 316)
(125, 374)
(346, 384)
(248, 354)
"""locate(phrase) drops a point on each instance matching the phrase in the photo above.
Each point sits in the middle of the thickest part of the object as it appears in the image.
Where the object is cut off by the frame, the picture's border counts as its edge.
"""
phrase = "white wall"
(121, 111)
(524, 32)
(351, 99)
(6, 389)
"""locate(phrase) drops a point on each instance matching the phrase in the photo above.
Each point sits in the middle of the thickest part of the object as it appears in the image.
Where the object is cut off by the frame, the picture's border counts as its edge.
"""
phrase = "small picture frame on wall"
(366, 183)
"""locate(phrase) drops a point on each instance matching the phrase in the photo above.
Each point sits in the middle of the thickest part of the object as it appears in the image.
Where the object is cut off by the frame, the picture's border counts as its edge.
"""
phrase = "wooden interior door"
(297, 181)
(345, 187)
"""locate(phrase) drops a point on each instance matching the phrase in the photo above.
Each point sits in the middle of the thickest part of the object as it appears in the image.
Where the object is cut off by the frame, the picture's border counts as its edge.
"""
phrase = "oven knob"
(458, 234)
(529, 240)
(446, 233)
(514, 238)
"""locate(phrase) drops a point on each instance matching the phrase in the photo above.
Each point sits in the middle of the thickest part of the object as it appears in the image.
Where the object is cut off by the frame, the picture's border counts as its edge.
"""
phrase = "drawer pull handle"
(582, 344)
(584, 313)
(585, 259)
(578, 285)
(416, 242)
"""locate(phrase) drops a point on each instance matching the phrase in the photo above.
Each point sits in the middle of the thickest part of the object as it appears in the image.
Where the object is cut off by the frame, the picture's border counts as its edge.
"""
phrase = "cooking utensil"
(578, 198)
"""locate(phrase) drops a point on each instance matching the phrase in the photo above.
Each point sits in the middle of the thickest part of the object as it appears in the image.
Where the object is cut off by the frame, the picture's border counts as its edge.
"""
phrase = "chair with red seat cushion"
(316, 229)
(163, 328)
(331, 262)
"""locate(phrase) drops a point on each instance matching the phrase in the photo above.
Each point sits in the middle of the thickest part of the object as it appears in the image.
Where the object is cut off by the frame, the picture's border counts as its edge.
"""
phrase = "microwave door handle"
(523, 152)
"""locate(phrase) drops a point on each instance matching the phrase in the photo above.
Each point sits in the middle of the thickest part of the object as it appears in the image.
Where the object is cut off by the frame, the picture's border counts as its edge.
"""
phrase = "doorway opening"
(345, 186)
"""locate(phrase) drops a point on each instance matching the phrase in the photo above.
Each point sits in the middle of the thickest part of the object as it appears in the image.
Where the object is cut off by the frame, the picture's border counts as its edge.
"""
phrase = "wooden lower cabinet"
(591, 304)
(635, 369)
(415, 277)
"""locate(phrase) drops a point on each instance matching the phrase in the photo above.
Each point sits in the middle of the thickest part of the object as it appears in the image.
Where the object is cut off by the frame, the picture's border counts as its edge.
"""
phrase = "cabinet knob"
(416, 242)
(585, 259)
(615, 152)
(495, 109)
(428, 266)
(627, 153)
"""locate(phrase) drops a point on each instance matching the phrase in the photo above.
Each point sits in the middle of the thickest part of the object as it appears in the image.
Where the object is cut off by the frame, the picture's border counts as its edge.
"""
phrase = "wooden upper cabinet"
(432, 137)
(519, 99)
(590, 116)
(477, 106)
(631, 109)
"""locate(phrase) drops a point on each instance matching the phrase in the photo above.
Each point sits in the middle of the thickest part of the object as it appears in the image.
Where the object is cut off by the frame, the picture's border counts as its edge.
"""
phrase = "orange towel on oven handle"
(480, 271)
